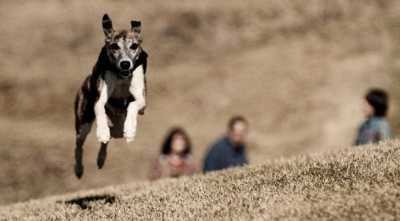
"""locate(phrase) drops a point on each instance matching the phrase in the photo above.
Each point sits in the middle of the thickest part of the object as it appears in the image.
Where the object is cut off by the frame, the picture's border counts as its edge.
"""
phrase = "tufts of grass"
(359, 183)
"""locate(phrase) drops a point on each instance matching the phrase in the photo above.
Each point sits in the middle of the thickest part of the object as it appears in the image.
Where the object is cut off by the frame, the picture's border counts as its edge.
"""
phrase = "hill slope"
(353, 184)
(297, 69)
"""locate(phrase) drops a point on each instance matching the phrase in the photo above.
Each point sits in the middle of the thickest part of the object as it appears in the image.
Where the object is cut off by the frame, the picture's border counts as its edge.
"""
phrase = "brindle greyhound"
(114, 93)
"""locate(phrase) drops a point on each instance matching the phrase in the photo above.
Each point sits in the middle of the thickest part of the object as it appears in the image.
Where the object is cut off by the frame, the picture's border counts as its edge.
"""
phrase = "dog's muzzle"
(125, 69)
(125, 74)
(125, 65)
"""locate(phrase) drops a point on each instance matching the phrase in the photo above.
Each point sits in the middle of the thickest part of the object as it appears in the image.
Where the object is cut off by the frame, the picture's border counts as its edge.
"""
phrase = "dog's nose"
(125, 65)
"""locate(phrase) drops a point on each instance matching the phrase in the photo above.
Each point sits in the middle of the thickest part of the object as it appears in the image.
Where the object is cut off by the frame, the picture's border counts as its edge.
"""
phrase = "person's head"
(237, 130)
(376, 103)
(176, 142)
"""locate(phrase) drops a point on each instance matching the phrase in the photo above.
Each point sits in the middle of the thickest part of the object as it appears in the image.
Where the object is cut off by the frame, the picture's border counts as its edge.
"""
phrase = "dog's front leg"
(103, 131)
(137, 90)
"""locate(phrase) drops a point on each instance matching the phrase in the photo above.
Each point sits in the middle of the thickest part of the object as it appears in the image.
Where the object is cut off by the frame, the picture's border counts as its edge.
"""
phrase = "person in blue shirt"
(376, 127)
(230, 150)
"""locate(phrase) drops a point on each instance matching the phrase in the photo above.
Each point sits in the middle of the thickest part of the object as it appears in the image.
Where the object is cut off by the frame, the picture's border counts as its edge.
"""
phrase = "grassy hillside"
(297, 69)
(352, 184)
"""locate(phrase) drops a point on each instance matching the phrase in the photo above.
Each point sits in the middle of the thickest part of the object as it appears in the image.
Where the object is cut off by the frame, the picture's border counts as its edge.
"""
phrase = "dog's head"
(123, 47)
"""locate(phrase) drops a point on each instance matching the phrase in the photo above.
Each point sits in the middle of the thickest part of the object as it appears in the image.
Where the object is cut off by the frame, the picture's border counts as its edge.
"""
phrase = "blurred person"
(230, 150)
(376, 127)
(175, 159)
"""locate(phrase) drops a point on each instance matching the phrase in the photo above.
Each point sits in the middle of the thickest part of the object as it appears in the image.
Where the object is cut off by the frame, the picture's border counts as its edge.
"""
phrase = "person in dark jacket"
(230, 150)
(376, 127)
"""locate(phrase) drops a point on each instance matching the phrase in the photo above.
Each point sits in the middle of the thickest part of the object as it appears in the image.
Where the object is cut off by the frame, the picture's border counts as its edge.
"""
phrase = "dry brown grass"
(296, 68)
(352, 184)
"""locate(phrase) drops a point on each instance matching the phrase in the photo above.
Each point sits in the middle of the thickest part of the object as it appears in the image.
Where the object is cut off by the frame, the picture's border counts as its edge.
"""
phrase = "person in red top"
(175, 159)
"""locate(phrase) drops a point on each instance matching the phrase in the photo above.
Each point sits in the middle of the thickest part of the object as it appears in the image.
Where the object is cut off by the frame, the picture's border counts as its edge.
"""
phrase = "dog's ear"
(107, 26)
(136, 26)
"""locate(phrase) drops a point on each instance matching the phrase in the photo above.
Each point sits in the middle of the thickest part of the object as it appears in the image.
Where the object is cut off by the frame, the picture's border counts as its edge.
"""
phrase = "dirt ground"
(296, 69)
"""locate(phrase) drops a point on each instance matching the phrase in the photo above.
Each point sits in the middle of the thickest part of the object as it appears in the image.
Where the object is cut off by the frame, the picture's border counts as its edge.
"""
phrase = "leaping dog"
(114, 93)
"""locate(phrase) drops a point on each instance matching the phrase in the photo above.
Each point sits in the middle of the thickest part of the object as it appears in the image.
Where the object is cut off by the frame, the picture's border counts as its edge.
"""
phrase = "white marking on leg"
(136, 89)
(103, 131)
(110, 123)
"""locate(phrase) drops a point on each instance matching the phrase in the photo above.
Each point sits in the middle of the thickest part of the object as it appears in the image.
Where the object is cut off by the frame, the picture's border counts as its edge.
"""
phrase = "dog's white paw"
(129, 135)
(103, 134)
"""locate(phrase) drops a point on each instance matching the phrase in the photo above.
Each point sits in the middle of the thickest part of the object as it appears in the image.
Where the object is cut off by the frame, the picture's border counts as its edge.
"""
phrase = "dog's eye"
(114, 46)
(134, 46)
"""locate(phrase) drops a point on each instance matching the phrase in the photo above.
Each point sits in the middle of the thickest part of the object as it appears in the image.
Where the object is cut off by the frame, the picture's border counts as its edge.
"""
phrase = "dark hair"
(166, 147)
(379, 100)
(236, 119)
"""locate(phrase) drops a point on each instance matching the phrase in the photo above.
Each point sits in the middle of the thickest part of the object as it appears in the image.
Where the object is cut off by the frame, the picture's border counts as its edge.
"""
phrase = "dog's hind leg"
(102, 155)
(81, 135)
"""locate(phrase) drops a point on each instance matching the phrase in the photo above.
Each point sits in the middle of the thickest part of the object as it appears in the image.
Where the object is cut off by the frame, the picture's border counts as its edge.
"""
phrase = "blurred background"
(297, 69)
